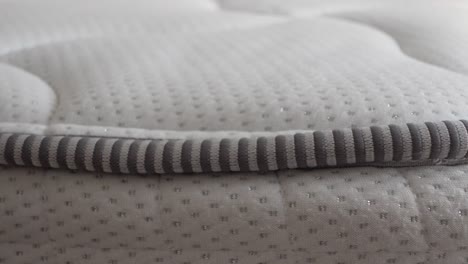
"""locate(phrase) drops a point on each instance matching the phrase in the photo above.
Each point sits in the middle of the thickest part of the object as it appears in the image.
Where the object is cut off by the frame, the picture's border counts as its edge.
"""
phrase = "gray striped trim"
(377, 145)
(214, 158)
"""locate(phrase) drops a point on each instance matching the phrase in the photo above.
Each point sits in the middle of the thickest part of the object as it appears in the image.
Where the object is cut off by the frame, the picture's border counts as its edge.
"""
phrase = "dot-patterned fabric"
(114, 67)
(211, 69)
(358, 215)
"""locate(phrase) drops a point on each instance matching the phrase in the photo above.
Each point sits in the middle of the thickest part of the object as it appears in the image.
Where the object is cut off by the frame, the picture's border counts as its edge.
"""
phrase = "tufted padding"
(24, 96)
(237, 65)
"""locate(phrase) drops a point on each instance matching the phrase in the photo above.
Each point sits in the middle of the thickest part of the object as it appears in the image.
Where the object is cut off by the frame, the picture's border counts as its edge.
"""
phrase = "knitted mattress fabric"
(203, 131)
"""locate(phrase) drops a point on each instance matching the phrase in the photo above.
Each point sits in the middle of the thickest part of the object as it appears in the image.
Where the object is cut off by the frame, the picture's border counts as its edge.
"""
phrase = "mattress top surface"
(252, 66)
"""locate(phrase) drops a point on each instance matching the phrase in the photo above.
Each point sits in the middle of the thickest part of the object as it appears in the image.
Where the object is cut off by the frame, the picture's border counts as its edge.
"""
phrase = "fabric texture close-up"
(234, 131)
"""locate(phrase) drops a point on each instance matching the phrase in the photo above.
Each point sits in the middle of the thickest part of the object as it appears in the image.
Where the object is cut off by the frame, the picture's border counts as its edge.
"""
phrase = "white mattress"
(289, 85)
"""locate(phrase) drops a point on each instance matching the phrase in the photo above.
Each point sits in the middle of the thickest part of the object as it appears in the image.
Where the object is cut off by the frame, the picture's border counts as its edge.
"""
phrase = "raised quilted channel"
(225, 66)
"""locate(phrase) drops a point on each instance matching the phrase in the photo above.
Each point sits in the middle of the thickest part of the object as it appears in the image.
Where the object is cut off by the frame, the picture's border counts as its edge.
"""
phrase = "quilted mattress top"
(231, 84)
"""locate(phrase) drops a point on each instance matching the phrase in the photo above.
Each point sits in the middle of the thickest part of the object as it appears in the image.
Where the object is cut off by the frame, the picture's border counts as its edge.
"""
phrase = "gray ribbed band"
(389, 145)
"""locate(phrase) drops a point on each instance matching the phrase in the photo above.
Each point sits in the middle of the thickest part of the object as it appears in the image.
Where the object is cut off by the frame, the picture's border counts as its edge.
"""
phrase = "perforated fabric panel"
(231, 68)
(234, 65)
(360, 215)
